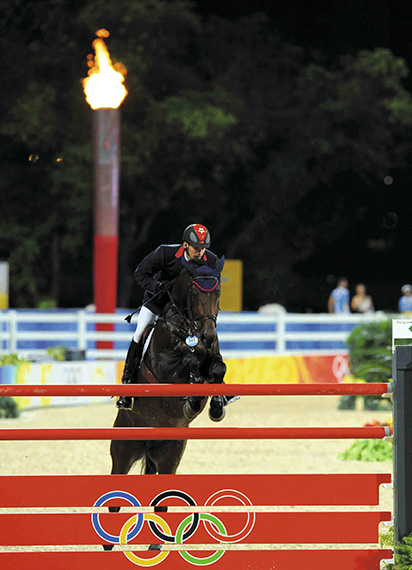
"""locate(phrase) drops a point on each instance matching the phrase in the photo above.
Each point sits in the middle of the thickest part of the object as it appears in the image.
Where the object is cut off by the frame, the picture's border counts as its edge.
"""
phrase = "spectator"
(361, 302)
(405, 302)
(339, 298)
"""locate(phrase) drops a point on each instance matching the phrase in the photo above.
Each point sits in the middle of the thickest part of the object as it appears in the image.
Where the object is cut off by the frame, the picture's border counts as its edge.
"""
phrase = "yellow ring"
(131, 555)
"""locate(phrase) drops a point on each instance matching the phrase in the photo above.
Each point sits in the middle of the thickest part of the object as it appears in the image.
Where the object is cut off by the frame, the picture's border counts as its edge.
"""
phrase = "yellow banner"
(231, 286)
(282, 369)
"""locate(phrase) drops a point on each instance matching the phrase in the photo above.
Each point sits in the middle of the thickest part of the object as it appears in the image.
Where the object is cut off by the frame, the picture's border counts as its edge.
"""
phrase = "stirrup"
(125, 403)
(230, 399)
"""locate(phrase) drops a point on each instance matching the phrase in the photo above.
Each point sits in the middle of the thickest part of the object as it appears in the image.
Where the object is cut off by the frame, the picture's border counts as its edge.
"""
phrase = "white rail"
(29, 333)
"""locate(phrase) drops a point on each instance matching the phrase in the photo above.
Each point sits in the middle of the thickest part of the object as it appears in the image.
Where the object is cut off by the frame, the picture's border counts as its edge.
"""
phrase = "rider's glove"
(160, 286)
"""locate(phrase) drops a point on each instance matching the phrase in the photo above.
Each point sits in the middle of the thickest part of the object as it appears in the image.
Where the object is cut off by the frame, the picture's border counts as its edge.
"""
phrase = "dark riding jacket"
(163, 264)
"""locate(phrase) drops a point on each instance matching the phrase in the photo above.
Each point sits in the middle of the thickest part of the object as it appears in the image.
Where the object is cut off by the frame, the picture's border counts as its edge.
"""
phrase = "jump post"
(196, 510)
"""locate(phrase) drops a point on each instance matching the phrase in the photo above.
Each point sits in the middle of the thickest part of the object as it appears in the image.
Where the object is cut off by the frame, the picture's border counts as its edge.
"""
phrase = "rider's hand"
(160, 286)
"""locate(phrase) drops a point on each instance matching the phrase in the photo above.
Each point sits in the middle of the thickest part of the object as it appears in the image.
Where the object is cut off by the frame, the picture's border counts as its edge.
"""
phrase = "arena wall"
(278, 369)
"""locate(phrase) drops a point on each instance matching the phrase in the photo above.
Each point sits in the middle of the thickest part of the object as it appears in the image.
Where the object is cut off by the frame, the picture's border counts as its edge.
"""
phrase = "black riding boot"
(126, 402)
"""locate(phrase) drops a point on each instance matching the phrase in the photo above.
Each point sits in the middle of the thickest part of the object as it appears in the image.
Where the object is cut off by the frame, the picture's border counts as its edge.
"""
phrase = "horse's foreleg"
(191, 365)
(193, 404)
(217, 368)
(217, 371)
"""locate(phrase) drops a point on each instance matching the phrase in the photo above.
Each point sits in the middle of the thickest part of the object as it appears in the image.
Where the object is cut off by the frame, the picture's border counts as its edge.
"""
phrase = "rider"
(153, 274)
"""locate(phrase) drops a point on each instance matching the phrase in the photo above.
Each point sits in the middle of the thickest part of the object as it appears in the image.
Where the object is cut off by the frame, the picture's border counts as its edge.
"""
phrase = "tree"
(224, 123)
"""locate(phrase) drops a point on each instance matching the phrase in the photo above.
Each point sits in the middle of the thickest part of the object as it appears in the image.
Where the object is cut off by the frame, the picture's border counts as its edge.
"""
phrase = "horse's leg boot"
(133, 354)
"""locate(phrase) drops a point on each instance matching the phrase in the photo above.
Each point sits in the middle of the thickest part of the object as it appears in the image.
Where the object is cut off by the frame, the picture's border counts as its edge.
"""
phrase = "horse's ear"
(188, 266)
(219, 265)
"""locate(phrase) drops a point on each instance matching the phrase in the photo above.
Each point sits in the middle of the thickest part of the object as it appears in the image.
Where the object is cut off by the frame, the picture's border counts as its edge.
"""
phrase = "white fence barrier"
(30, 333)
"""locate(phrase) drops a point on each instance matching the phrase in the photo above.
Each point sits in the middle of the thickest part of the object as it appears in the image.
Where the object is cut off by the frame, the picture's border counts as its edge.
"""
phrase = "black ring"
(196, 517)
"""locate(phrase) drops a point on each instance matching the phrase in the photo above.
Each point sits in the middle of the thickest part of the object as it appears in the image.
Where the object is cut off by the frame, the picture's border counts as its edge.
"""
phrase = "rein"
(191, 322)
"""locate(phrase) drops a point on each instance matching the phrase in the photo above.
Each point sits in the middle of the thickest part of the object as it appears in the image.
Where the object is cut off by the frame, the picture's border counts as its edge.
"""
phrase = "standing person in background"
(339, 298)
(361, 302)
(405, 302)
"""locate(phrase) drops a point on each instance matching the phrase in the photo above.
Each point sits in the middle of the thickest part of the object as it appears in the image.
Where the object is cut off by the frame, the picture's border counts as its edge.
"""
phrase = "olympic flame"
(104, 85)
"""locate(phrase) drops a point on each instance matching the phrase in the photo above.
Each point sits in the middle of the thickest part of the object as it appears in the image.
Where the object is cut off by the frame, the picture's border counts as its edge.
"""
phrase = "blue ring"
(117, 495)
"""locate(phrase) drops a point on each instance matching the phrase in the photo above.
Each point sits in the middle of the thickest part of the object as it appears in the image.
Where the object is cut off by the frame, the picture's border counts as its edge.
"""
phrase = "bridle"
(191, 323)
(194, 283)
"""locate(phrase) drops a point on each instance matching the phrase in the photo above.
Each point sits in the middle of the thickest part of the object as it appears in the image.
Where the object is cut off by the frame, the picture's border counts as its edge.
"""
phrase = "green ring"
(194, 559)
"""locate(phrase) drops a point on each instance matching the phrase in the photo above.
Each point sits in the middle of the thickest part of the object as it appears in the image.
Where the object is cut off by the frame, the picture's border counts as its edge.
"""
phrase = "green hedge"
(370, 358)
(370, 352)
(367, 450)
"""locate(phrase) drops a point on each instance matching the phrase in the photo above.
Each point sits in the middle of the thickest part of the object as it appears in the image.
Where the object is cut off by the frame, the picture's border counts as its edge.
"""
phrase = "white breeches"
(145, 318)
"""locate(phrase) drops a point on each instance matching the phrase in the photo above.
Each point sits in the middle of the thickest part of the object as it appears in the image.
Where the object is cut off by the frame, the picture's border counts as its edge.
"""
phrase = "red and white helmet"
(197, 235)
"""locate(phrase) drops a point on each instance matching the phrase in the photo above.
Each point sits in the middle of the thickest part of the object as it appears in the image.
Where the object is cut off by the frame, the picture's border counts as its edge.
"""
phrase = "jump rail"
(41, 434)
(150, 390)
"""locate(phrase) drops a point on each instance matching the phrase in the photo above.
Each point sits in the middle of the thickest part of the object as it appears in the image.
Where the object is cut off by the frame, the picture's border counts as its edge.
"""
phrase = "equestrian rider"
(153, 274)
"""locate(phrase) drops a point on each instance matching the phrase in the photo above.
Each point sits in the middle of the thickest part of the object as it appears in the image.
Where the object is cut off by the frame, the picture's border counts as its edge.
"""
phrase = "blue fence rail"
(30, 332)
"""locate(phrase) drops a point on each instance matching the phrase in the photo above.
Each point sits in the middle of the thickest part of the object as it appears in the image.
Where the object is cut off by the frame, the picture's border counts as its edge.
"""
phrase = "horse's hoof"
(107, 546)
(125, 403)
(218, 417)
(216, 410)
(191, 413)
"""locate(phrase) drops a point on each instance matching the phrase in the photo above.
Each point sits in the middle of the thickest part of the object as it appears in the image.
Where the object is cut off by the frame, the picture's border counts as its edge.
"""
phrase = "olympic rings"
(159, 527)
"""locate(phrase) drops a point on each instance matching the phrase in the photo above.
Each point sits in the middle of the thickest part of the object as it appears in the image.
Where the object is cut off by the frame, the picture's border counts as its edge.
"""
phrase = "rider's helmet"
(197, 235)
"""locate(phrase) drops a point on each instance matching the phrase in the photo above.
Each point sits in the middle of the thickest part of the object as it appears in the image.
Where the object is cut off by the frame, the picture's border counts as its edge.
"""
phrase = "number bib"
(192, 341)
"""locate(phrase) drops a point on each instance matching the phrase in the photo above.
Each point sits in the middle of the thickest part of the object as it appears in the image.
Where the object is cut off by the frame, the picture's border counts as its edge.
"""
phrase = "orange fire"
(104, 85)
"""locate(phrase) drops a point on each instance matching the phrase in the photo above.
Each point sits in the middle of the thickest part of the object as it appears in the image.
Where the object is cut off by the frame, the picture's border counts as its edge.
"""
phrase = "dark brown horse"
(183, 348)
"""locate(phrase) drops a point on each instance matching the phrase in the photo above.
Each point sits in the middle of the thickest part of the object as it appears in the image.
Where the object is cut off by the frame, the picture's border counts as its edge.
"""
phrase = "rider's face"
(194, 252)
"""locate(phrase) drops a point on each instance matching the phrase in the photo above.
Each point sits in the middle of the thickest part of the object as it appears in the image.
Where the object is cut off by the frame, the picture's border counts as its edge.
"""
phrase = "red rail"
(195, 389)
(338, 559)
(149, 433)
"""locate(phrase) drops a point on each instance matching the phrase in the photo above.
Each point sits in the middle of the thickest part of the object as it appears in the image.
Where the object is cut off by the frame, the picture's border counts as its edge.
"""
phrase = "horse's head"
(202, 297)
